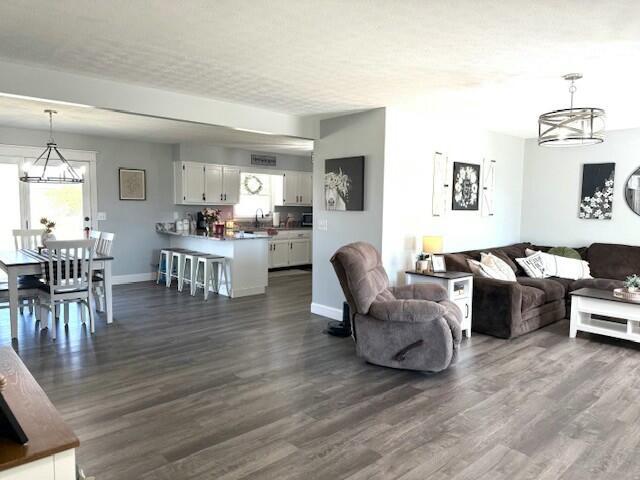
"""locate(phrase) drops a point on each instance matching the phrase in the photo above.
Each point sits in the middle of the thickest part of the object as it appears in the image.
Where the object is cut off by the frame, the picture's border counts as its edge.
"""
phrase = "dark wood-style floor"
(179, 389)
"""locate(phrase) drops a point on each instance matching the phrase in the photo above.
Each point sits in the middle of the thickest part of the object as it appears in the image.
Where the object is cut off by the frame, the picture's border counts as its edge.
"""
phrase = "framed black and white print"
(466, 186)
(133, 184)
(344, 184)
(596, 199)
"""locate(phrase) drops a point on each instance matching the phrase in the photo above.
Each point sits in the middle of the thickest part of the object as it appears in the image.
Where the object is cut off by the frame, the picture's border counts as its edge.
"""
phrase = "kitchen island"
(248, 258)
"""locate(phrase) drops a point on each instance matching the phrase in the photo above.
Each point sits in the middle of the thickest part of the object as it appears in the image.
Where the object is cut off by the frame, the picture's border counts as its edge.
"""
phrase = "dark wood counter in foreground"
(47, 432)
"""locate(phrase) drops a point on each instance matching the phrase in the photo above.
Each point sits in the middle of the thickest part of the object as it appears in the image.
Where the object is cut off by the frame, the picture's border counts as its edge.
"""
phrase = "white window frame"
(257, 171)
(20, 154)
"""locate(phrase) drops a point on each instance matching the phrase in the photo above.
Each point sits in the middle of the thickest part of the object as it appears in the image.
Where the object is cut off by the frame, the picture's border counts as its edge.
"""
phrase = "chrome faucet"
(257, 222)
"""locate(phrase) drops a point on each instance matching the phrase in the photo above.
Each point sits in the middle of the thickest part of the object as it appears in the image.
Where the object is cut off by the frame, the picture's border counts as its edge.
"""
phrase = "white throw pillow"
(486, 271)
(534, 265)
(561, 267)
(490, 260)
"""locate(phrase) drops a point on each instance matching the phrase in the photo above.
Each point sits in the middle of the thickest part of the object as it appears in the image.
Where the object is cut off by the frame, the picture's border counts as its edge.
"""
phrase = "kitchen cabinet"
(278, 254)
(290, 248)
(298, 188)
(206, 184)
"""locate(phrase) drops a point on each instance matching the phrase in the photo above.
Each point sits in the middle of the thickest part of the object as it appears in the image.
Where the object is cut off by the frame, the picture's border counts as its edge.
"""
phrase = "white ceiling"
(502, 57)
(29, 113)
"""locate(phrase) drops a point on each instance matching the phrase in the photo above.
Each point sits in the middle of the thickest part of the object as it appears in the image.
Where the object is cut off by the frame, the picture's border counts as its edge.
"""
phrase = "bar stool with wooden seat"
(214, 268)
(165, 254)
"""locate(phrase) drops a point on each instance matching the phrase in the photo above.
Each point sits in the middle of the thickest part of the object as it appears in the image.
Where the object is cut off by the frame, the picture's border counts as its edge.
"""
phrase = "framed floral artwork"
(344, 184)
(596, 199)
(466, 186)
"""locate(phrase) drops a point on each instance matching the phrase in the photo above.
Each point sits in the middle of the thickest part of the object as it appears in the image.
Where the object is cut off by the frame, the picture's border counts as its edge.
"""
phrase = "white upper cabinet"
(231, 185)
(298, 188)
(206, 184)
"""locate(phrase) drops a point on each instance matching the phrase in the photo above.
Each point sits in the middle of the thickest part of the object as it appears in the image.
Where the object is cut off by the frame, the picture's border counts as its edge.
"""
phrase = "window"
(258, 190)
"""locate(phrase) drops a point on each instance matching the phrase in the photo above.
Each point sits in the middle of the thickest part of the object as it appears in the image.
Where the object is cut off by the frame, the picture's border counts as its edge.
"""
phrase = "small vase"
(47, 237)
(219, 228)
(422, 265)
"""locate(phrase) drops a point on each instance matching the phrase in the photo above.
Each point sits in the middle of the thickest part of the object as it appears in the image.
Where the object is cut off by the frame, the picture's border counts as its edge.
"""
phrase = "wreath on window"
(253, 184)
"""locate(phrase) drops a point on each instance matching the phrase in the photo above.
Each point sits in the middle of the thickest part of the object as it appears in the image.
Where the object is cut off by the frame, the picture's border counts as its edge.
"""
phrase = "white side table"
(459, 286)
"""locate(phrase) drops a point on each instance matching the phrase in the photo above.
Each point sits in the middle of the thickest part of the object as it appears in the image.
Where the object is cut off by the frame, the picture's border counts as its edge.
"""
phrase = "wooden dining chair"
(68, 279)
(102, 248)
(29, 239)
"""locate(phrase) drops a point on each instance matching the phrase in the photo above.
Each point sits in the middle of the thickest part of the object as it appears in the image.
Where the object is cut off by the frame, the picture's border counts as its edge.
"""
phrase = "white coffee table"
(586, 302)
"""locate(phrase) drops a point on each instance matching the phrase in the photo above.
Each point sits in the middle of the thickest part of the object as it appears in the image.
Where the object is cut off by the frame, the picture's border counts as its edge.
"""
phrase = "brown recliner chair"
(413, 327)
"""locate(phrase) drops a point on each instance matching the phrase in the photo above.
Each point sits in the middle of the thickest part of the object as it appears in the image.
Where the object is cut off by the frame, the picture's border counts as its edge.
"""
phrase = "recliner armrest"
(412, 311)
(420, 291)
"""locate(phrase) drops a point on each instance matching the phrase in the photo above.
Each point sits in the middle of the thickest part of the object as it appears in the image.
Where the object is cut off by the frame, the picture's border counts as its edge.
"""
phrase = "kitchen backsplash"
(294, 213)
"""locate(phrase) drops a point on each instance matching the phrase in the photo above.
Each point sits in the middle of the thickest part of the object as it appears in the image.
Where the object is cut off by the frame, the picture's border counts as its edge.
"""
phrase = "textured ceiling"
(318, 56)
(26, 113)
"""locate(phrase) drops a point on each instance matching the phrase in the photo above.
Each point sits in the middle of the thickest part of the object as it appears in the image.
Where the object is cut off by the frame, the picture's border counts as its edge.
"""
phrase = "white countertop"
(235, 236)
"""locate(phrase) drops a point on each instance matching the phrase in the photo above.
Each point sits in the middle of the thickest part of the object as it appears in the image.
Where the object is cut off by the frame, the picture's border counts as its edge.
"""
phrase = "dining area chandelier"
(573, 126)
(51, 173)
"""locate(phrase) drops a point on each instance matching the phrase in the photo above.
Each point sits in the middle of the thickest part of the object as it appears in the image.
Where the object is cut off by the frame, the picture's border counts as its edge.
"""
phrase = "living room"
(469, 307)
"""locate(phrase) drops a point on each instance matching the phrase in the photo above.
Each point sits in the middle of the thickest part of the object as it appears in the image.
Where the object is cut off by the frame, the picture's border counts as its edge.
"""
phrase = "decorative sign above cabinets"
(263, 160)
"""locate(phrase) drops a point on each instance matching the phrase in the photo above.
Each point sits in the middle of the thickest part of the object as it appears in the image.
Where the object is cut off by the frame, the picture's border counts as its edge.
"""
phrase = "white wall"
(351, 135)
(411, 140)
(552, 187)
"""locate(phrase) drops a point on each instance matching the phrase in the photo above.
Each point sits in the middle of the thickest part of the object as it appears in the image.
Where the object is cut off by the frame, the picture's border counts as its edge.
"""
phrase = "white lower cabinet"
(290, 248)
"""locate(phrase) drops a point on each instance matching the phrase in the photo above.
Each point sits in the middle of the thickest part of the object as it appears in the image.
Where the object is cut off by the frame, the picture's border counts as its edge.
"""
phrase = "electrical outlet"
(102, 216)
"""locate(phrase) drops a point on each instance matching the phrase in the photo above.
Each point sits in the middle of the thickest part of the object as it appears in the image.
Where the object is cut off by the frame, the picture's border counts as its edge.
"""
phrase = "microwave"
(307, 220)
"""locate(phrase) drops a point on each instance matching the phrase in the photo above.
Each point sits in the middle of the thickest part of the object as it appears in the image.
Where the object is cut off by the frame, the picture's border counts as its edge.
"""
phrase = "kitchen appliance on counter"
(201, 223)
(307, 219)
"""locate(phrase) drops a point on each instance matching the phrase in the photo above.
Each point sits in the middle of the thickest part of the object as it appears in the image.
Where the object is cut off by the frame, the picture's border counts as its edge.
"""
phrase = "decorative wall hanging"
(466, 186)
(133, 184)
(253, 185)
(596, 201)
(440, 186)
(488, 187)
(263, 160)
(344, 183)
(632, 192)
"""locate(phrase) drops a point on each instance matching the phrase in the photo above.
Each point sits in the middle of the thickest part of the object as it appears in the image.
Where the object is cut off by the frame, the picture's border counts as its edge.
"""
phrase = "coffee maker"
(201, 224)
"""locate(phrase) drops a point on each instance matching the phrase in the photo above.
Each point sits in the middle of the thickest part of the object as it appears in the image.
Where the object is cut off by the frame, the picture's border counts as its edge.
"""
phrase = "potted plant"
(632, 283)
(422, 262)
(48, 235)
(212, 217)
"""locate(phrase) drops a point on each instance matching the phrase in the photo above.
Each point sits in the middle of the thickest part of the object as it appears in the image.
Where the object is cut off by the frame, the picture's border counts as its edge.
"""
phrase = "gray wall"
(552, 190)
(191, 152)
(351, 135)
(133, 222)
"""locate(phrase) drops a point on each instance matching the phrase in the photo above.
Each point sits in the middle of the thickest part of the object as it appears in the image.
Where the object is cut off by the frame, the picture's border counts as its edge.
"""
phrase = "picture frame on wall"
(344, 184)
(465, 194)
(132, 183)
(438, 264)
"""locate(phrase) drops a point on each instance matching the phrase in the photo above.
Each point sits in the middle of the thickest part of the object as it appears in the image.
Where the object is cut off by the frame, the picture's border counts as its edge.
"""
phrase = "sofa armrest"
(420, 291)
(497, 304)
(410, 311)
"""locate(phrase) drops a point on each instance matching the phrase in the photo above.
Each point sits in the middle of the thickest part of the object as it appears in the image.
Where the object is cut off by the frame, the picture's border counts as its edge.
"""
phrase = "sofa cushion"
(552, 290)
(566, 283)
(457, 262)
(608, 260)
(565, 252)
(531, 297)
(600, 283)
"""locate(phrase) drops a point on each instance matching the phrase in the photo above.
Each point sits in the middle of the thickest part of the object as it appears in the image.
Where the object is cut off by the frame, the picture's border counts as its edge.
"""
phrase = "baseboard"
(325, 311)
(133, 278)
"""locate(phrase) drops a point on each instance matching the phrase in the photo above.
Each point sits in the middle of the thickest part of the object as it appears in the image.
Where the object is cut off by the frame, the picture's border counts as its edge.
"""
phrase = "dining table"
(32, 262)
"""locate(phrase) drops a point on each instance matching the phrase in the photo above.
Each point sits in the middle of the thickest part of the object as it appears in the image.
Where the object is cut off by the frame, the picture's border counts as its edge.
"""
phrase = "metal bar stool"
(188, 257)
(214, 268)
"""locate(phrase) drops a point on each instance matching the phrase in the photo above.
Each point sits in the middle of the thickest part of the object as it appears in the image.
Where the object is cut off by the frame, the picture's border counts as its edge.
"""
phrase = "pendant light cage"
(571, 127)
(67, 173)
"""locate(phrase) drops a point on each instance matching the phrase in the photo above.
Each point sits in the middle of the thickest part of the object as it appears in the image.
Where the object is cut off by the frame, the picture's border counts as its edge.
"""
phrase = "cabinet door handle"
(467, 310)
(225, 196)
(220, 196)
(291, 246)
(203, 197)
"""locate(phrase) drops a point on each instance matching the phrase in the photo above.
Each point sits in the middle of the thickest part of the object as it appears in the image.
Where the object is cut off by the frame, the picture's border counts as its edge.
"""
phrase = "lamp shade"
(431, 244)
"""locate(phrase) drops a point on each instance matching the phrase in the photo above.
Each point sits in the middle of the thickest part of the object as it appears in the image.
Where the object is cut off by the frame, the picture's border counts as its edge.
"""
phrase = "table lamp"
(431, 244)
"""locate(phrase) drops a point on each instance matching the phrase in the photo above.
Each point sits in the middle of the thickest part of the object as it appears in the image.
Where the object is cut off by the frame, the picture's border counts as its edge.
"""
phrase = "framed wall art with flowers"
(596, 200)
(344, 184)
(465, 194)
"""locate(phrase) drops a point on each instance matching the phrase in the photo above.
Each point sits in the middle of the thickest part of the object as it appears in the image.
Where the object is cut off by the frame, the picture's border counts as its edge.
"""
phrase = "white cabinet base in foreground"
(61, 466)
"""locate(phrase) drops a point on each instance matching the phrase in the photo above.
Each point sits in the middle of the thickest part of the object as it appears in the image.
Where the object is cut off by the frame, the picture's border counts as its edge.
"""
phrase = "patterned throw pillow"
(488, 268)
(561, 267)
(496, 263)
(534, 265)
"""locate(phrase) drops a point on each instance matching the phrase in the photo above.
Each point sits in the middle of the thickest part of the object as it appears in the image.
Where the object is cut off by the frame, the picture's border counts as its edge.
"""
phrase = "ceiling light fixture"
(68, 174)
(571, 127)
